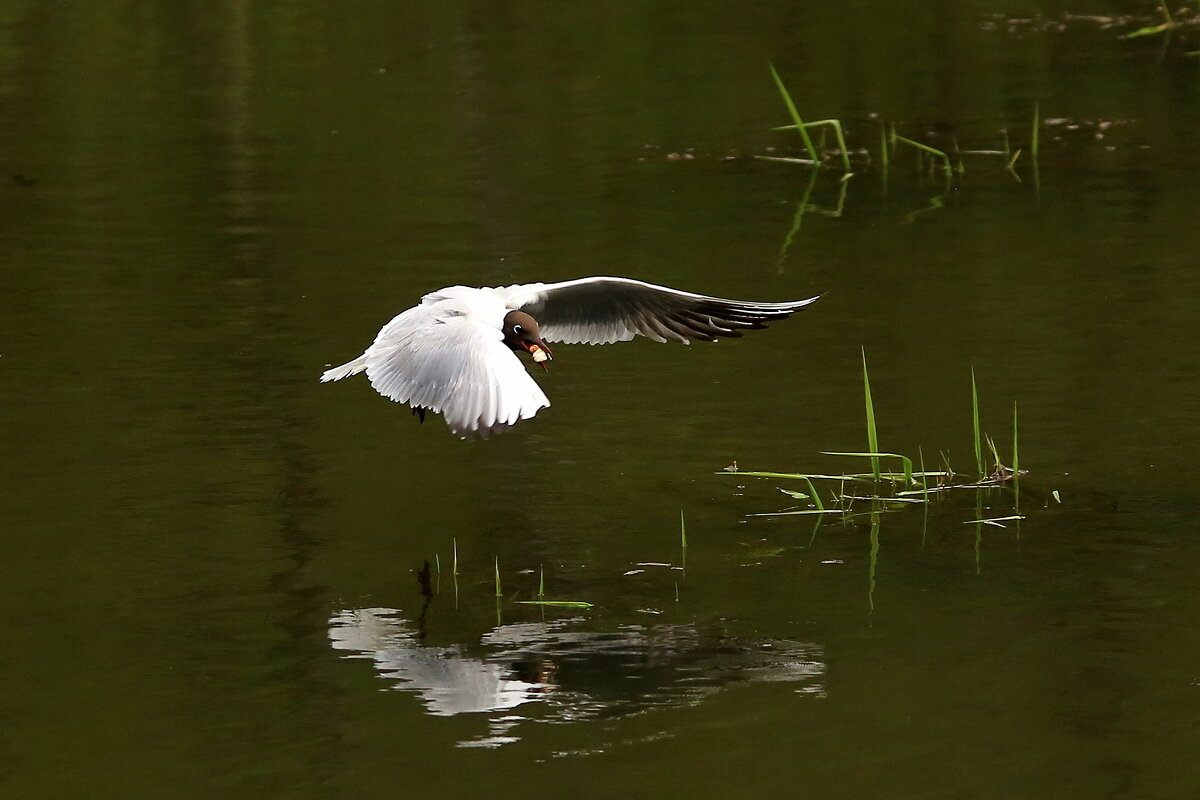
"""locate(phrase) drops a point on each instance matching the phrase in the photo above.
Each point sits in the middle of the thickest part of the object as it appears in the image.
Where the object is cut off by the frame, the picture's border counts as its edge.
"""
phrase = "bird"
(456, 352)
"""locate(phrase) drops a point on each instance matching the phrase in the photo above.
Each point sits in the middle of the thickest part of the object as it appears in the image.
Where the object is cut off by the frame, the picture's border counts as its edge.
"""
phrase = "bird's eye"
(518, 329)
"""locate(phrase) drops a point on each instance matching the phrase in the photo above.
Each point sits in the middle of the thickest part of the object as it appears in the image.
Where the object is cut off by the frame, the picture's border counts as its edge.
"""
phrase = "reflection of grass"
(930, 161)
(805, 207)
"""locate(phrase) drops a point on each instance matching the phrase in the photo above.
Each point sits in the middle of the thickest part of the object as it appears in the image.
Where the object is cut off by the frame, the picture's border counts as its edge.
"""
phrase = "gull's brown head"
(521, 332)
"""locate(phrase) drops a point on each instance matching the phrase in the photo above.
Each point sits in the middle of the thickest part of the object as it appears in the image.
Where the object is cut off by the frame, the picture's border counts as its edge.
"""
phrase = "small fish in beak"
(541, 354)
(521, 332)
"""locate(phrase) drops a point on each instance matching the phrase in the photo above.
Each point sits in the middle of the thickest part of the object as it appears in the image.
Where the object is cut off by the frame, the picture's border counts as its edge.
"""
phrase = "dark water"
(208, 561)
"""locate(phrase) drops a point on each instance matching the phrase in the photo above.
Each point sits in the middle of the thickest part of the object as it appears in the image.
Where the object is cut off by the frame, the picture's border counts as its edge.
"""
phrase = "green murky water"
(208, 560)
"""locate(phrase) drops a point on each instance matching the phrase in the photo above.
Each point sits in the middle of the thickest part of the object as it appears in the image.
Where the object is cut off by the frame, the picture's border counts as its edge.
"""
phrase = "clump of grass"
(889, 486)
(791, 107)
(802, 127)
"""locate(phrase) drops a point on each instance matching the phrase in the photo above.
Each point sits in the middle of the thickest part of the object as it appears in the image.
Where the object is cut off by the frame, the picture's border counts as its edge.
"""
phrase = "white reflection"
(571, 673)
(447, 681)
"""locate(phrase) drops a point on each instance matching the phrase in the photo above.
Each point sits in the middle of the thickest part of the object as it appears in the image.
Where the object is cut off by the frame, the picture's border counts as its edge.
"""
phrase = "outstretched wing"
(457, 366)
(605, 310)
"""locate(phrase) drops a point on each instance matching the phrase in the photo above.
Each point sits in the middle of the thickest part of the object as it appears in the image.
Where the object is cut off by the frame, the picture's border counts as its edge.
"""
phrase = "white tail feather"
(345, 370)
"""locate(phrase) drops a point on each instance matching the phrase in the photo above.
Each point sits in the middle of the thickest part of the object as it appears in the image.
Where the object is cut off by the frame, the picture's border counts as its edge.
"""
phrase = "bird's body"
(456, 352)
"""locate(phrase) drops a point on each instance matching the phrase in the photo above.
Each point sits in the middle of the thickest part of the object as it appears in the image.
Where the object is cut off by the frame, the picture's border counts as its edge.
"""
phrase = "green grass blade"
(841, 140)
(975, 421)
(454, 569)
(994, 521)
(682, 531)
(557, 603)
(541, 581)
(498, 592)
(991, 443)
(875, 456)
(795, 475)
(1035, 134)
(791, 107)
(805, 513)
(872, 434)
(1016, 465)
(816, 497)
(933, 151)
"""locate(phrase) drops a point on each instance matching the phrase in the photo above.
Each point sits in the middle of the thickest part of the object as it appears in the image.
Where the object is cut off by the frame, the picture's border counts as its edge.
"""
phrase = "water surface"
(210, 560)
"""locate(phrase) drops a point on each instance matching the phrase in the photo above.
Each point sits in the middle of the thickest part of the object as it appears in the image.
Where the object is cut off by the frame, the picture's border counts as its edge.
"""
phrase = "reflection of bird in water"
(573, 673)
(449, 682)
(454, 354)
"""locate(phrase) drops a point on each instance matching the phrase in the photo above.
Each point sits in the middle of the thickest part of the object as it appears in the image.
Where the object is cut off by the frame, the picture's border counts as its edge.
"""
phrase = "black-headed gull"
(455, 353)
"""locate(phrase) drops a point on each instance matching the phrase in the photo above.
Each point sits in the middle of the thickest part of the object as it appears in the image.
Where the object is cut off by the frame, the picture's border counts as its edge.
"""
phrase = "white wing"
(454, 365)
(604, 310)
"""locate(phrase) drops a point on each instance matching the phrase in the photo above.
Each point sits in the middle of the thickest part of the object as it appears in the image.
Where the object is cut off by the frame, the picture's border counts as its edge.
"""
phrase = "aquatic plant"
(791, 107)
(975, 423)
(872, 434)
(906, 486)
(1166, 25)
(802, 127)
(924, 148)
